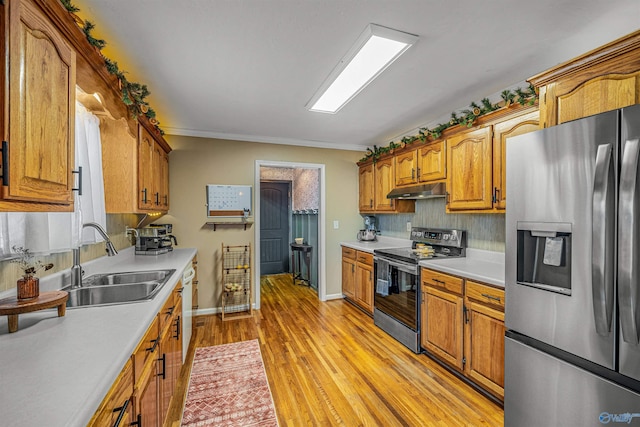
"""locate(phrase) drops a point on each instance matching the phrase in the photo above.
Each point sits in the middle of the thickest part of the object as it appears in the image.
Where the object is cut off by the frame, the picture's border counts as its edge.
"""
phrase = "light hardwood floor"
(329, 365)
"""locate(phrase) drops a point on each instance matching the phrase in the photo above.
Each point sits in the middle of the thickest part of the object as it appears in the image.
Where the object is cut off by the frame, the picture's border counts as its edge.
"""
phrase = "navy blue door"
(274, 227)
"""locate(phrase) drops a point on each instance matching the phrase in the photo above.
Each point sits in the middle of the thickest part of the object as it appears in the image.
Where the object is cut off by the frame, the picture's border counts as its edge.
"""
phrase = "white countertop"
(383, 242)
(55, 371)
(480, 265)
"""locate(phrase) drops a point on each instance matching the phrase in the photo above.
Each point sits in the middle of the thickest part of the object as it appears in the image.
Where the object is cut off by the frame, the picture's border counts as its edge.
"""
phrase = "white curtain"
(58, 231)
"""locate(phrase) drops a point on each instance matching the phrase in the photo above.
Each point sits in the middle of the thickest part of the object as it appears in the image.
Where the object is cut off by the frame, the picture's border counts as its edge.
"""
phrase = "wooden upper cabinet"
(384, 182)
(164, 180)
(366, 188)
(604, 79)
(469, 179)
(41, 112)
(406, 168)
(424, 164)
(519, 125)
(146, 175)
(432, 162)
(153, 173)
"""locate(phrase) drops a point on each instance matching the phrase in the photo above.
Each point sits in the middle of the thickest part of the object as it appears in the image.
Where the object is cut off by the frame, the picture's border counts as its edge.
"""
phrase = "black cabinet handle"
(177, 335)
(144, 195)
(79, 188)
(163, 374)
(465, 312)
(491, 297)
(154, 346)
(5, 163)
(137, 422)
(122, 410)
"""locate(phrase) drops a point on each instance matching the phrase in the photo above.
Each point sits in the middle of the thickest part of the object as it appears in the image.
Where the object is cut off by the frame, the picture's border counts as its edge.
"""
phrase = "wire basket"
(236, 282)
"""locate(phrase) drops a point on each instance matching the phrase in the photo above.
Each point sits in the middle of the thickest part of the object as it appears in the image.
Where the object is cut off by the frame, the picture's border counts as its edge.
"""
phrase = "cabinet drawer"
(348, 253)
(118, 402)
(441, 281)
(146, 349)
(485, 294)
(365, 258)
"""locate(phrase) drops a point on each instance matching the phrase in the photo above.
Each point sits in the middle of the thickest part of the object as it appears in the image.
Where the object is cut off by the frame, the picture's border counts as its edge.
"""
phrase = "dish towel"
(382, 277)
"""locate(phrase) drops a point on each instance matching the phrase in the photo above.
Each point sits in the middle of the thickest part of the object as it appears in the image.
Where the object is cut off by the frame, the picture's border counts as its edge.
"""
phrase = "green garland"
(133, 94)
(466, 117)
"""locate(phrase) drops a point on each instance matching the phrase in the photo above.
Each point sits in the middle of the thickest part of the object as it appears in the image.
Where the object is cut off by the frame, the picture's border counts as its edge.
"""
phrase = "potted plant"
(28, 284)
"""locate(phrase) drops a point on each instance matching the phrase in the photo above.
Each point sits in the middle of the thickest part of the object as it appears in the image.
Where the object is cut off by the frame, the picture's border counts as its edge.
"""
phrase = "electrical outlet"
(408, 225)
(336, 225)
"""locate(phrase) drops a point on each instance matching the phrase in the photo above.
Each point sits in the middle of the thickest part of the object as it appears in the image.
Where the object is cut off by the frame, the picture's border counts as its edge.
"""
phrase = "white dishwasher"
(187, 309)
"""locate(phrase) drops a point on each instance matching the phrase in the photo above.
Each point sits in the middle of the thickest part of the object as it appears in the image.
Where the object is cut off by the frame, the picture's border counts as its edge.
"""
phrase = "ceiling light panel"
(376, 49)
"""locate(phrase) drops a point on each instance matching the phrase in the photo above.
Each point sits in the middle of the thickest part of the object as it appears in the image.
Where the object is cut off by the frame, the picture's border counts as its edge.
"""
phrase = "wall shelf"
(216, 224)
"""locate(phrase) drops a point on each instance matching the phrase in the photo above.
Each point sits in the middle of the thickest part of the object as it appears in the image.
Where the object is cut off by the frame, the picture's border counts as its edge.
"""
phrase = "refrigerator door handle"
(602, 241)
(628, 242)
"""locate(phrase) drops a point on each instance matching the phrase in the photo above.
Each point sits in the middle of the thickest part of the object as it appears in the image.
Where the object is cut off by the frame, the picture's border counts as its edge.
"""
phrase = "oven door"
(396, 290)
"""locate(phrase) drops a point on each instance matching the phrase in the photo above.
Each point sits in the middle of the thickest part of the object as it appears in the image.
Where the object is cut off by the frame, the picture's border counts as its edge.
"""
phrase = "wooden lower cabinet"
(462, 324)
(142, 393)
(484, 337)
(364, 281)
(442, 317)
(357, 278)
(146, 396)
(349, 272)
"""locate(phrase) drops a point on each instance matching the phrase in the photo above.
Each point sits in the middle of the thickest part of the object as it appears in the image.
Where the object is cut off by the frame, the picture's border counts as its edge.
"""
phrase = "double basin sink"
(117, 288)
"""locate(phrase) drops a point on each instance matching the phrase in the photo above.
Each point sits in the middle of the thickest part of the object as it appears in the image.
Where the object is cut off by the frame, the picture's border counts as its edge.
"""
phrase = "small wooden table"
(12, 307)
(297, 270)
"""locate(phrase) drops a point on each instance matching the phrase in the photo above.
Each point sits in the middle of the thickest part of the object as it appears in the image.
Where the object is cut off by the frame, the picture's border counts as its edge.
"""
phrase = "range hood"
(424, 191)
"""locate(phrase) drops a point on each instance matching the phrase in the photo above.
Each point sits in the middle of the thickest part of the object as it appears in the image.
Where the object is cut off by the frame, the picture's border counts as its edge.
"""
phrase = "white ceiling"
(244, 69)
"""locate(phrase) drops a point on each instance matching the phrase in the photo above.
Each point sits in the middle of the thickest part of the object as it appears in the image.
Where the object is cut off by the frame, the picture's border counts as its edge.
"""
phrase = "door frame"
(322, 288)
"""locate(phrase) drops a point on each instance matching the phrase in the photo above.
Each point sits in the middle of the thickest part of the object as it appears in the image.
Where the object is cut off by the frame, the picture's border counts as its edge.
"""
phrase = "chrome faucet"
(76, 268)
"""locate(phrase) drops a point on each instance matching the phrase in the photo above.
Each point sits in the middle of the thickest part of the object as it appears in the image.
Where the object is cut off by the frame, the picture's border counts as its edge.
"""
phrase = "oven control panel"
(443, 237)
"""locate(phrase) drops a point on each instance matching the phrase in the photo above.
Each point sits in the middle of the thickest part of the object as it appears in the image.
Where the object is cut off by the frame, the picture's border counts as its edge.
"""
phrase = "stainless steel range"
(397, 280)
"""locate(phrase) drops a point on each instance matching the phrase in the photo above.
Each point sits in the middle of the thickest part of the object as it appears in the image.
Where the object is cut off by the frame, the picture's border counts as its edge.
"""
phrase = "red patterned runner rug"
(228, 387)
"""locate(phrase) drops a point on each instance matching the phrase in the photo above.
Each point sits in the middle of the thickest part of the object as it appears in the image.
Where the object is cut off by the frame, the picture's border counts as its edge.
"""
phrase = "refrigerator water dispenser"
(544, 256)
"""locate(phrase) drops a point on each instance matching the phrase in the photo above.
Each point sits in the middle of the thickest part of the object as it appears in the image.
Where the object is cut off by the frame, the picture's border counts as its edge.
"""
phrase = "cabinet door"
(147, 397)
(513, 127)
(484, 343)
(348, 278)
(432, 162)
(406, 168)
(384, 183)
(194, 285)
(364, 286)
(604, 93)
(145, 170)
(366, 188)
(42, 84)
(442, 330)
(157, 183)
(164, 180)
(469, 179)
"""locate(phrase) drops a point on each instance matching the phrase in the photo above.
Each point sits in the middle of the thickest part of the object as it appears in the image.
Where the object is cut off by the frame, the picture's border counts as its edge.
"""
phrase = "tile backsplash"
(484, 231)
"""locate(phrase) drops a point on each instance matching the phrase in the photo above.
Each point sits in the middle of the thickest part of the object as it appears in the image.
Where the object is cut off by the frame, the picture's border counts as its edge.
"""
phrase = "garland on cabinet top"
(467, 117)
(133, 94)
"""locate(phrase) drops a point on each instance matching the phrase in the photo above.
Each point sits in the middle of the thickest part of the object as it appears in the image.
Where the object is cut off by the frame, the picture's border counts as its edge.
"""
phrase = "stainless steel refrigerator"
(572, 269)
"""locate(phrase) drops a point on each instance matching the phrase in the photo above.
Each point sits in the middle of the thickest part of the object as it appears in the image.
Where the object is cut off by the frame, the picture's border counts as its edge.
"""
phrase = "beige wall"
(196, 162)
